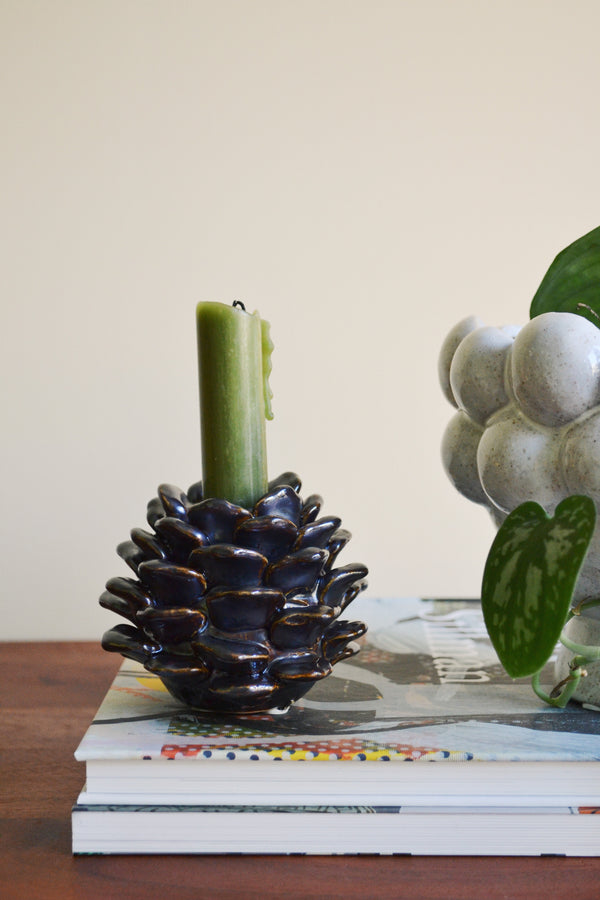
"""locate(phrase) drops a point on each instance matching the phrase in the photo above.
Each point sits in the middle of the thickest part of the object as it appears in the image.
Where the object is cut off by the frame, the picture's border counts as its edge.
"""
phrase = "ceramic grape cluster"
(527, 425)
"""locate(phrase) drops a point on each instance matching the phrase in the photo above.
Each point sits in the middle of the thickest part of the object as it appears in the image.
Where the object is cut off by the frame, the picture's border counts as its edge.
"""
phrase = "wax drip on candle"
(267, 350)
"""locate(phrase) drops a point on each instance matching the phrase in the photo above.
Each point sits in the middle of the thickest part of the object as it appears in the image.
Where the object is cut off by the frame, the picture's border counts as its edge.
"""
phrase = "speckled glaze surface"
(236, 610)
(527, 420)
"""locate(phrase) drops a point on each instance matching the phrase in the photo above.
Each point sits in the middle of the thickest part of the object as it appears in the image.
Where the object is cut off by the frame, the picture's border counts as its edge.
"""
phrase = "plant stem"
(584, 652)
(588, 603)
(565, 688)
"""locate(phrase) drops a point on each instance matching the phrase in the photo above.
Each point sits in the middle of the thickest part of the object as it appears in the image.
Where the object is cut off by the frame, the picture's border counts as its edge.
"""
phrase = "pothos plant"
(535, 559)
(527, 588)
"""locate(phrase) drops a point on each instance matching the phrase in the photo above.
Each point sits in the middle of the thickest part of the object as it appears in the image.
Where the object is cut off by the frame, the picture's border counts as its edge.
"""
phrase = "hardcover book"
(417, 740)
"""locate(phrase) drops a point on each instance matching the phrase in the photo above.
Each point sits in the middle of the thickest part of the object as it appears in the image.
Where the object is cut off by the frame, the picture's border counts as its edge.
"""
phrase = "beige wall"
(363, 173)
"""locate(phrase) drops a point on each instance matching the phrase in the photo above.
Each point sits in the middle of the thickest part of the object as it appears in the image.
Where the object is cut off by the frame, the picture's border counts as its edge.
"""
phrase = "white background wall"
(364, 173)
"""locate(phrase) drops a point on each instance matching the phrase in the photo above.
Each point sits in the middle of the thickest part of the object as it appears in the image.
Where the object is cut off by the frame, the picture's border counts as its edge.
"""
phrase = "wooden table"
(49, 693)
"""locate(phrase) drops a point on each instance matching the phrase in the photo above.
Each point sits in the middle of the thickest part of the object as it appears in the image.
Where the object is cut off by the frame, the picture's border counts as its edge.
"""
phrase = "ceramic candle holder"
(527, 427)
(236, 610)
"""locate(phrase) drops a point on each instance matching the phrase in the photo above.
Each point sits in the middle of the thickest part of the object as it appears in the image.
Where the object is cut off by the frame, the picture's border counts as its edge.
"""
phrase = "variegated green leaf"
(572, 283)
(529, 579)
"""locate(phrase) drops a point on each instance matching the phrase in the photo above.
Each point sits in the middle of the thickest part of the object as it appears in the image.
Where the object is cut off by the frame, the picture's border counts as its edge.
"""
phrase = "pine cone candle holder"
(236, 610)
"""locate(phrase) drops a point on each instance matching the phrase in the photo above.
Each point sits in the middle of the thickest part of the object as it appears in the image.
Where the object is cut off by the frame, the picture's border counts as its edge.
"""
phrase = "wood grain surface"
(49, 693)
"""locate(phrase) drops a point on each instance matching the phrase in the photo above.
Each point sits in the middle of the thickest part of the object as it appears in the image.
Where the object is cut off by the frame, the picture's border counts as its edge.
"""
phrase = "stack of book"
(420, 744)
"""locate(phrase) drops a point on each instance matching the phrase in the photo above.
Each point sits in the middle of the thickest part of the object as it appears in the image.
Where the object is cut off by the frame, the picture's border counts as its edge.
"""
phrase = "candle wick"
(240, 304)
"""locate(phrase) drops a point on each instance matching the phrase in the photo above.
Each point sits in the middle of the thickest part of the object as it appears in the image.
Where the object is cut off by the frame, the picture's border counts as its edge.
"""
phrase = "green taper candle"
(234, 360)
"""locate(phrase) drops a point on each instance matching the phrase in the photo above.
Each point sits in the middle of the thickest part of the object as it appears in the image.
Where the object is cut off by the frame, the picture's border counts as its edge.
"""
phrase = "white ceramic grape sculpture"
(527, 425)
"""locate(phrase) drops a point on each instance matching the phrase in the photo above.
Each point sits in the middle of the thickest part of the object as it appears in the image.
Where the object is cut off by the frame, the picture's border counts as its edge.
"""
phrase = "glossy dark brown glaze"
(236, 610)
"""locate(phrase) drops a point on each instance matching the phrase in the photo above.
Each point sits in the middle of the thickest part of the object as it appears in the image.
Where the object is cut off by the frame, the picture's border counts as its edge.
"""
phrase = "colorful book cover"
(426, 686)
